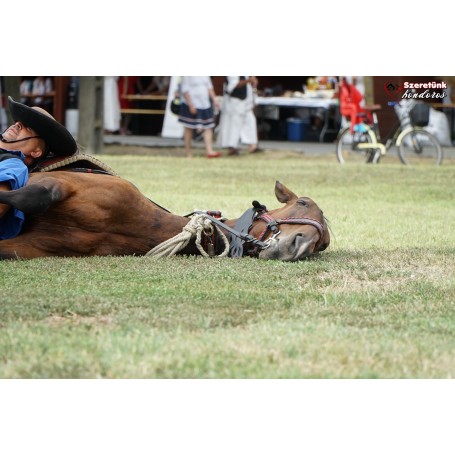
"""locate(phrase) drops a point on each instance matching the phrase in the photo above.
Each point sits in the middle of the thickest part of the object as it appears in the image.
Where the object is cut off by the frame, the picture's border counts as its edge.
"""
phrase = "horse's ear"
(283, 194)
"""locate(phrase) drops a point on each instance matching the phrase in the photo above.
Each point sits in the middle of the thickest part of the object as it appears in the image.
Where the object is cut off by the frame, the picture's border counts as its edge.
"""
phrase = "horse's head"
(294, 231)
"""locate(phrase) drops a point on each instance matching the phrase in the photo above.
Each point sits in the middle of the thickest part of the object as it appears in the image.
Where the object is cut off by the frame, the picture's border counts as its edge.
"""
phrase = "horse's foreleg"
(32, 199)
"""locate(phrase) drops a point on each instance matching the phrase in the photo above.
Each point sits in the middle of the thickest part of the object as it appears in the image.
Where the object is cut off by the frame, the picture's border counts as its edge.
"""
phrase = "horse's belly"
(76, 243)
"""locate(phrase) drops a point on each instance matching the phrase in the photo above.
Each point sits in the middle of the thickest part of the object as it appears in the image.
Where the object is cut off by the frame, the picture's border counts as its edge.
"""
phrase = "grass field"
(379, 303)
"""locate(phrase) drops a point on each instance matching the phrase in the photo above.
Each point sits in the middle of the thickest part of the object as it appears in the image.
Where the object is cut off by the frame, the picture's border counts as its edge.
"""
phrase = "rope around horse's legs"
(194, 229)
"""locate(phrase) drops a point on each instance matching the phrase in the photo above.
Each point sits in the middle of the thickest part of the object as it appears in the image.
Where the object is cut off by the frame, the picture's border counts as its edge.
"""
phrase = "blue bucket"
(296, 129)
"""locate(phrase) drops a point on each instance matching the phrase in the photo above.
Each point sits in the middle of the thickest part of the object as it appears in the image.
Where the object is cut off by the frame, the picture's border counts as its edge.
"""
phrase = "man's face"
(17, 132)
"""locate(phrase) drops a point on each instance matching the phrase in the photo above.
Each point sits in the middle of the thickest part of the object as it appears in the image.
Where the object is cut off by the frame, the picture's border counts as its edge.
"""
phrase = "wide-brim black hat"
(58, 139)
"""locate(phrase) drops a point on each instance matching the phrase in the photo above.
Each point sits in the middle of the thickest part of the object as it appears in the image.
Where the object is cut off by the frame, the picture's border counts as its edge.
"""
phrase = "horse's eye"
(302, 202)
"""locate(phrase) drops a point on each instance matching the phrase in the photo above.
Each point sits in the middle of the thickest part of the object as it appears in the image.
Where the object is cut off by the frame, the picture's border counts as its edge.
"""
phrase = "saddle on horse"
(77, 162)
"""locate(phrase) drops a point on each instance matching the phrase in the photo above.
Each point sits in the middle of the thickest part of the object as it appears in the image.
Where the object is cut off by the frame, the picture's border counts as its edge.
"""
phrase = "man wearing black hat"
(34, 136)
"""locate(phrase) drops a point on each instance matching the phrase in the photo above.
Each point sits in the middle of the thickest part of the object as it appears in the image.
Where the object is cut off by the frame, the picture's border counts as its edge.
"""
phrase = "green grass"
(377, 304)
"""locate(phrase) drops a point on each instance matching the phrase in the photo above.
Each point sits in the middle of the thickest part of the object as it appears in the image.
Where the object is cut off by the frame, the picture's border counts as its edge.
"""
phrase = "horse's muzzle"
(290, 248)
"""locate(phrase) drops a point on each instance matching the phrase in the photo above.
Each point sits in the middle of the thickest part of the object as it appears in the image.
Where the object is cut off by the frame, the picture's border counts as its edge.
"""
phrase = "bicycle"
(414, 144)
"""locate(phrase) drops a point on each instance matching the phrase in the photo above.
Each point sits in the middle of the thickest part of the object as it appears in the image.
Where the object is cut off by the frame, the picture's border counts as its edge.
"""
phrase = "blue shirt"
(15, 172)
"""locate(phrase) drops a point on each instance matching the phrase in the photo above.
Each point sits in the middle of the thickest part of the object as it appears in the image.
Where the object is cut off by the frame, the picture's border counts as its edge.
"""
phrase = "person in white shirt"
(197, 105)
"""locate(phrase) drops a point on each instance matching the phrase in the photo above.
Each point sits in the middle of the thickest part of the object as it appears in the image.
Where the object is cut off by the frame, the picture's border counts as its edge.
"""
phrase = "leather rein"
(239, 235)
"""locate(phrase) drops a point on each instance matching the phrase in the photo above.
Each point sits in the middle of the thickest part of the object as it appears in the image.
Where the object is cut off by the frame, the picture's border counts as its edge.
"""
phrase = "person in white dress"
(112, 114)
(237, 122)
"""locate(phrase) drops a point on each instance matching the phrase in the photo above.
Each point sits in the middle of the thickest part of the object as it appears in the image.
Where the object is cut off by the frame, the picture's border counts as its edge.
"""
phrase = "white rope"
(197, 224)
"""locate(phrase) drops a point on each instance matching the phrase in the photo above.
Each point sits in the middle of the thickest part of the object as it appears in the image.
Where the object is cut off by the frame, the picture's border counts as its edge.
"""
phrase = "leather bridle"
(240, 234)
(272, 226)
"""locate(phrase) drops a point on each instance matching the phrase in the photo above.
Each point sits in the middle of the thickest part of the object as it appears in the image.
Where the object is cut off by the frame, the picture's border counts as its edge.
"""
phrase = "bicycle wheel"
(348, 150)
(420, 147)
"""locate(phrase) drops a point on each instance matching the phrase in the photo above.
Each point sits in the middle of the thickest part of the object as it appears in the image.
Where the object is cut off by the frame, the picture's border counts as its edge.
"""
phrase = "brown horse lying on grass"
(89, 214)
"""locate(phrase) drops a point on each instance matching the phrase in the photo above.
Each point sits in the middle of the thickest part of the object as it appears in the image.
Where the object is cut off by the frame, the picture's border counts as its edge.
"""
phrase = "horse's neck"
(166, 223)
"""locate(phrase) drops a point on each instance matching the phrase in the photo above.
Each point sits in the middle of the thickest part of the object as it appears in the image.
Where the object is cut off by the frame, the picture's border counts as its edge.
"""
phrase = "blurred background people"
(37, 91)
(126, 86)
(197, 112)
(25, 89)
(238, 122)
(160, 85)
(44, 88)
(111, 105)
(150, 87)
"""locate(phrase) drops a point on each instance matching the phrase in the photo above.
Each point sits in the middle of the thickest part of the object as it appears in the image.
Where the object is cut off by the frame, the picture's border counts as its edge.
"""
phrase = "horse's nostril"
(298, 239)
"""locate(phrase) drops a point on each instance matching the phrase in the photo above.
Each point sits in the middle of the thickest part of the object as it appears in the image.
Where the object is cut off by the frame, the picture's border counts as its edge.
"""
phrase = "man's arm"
(35, 198)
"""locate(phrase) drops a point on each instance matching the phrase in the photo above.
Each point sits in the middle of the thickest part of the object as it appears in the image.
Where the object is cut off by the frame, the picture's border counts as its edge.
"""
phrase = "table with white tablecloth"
(328, 106)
